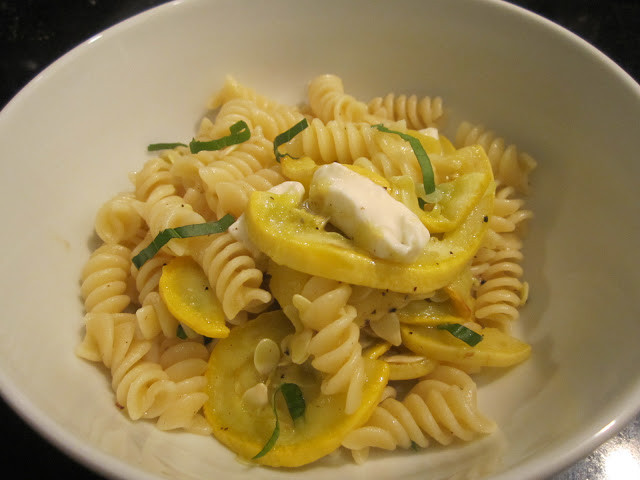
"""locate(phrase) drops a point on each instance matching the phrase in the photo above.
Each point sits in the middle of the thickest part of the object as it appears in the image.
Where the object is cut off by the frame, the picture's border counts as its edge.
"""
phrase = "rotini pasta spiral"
(329, 102)
(139, 387)
(497, 264)
(185, 364)
(419, 113)
(233, 196)
(272, 121)
(155, 173)
(246, 159)
(338, 342)
(119, 221)
(153, 317)
(232, 89)
(334, 141)
(442, 407)
(233, 275)
(336, 351)
(104, 279)
(510, 166)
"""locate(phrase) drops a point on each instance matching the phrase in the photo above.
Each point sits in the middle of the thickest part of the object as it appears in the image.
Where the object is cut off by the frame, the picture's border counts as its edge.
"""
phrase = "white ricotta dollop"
(367, 214)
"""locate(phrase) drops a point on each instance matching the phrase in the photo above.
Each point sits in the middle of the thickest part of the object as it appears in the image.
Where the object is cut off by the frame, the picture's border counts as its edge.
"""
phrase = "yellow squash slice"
(497, 349)
(293, 236)
(186, 292)
(401, 367)
(245, 427)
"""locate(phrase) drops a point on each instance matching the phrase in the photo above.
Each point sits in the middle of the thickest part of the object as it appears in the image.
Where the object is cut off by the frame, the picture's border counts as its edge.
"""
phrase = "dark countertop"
(34, 33)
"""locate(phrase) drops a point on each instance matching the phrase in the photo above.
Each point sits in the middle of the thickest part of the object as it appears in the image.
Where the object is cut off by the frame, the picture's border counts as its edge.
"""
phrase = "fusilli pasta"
(344, 345)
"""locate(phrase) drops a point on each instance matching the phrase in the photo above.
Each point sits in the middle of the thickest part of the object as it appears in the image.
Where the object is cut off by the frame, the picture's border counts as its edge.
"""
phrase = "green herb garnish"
(185, 231)
(239, 133)
(164, 146)
(428, 178)
(180, 333)
(286, 136)
(296, 406)
(461, 332)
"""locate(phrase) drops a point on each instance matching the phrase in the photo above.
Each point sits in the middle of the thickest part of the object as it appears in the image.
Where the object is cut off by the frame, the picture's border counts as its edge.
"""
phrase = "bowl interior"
(74, 133)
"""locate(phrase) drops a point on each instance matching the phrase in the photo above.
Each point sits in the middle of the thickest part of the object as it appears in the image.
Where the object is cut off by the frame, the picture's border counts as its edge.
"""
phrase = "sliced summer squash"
(293, 236)
(497, 349)
(186, 292)
(401, 367)
(246, 428)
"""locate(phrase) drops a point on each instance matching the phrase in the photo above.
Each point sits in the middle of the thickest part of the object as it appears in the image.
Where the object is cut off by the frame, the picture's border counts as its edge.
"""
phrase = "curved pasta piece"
(119, 221)
(441, 407)
(336, 351)
(240, 162)
(185, 363)
(333, 141)
(233, 196)
(510, 166)
(497, 264)
(104, 279)
(232, 272)
(419, 113)
(272, 122)
(232, 89)
(155, 173)
(329, 102)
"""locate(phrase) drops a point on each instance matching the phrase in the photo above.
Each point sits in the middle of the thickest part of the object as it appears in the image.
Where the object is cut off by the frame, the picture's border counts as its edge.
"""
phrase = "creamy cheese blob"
(367, 214)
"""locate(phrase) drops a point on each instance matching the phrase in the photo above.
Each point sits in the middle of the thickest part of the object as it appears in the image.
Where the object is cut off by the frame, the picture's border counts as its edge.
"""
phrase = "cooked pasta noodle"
(418, 113)
(104, 279)
(233, 274)
(329, 102)
(323, 308)
(268, 299)
(441, 407)
(510, 166)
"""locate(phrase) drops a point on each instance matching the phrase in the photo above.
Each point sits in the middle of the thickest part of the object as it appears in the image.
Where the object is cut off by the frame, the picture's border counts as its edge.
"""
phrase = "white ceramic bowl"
(70, 138)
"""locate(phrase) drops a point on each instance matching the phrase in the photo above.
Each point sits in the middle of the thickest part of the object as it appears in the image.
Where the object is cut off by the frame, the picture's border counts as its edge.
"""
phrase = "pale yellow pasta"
(333, 141)
(336, 351)
(233, 196)
(232, 89)
(236, 163)
(329, 102)
(233, 275)
(442, 406)
(119, 221)
(104, 279)
(154, 175)
(497, 265)
(419, 113)
(510, 166)
(272, 121)
(158, 365)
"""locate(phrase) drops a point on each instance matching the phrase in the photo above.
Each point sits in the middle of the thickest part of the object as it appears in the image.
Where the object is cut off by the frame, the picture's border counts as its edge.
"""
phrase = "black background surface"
(34, 33)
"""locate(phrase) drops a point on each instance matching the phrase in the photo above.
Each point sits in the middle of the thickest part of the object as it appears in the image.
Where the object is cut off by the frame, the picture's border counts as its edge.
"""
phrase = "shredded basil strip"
(180, 333)
(286, 136)
(428, 178)
(461, 332)
(239, 133)
(164, 146)
(185, 231)
(296, 406)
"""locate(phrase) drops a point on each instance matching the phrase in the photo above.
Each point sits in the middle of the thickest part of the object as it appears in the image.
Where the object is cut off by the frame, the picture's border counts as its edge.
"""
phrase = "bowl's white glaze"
(70, 137)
